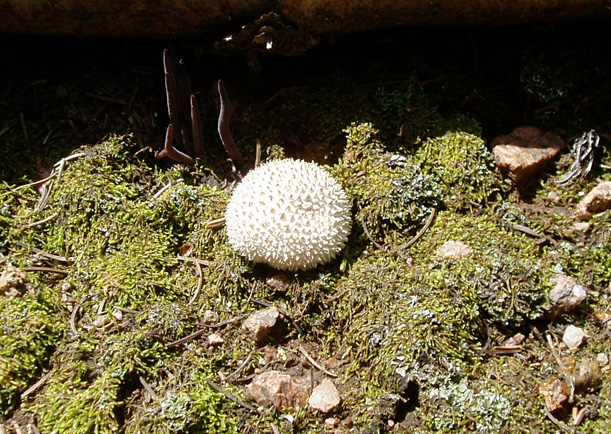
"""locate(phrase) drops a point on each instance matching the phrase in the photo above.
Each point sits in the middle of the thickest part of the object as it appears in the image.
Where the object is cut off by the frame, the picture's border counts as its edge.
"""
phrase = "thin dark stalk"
(223, 126)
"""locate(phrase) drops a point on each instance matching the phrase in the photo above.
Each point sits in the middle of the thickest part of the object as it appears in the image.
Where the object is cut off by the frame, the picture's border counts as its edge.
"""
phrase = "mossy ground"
(122, 264)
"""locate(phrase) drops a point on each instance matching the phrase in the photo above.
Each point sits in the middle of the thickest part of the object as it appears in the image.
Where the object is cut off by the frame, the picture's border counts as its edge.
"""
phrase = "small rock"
(278, 389)
(210, 317)
(525, 152)
(597, 200)
(588, 376)
(581, 226)
(324, 397)
(515, 340)
(12, 281)
(261, 323)
(454, 249)
(573, 337)
(215, 340)
(331, 422)
(566, 295)
(602, 359)
(270, 354)
(99, 321)
(279, 282)
(555, 393)
(553, 196)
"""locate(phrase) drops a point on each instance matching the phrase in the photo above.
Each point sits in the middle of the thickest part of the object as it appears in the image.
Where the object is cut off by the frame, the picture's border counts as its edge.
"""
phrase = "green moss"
(464, 167)
(29, 330)
(390, 190)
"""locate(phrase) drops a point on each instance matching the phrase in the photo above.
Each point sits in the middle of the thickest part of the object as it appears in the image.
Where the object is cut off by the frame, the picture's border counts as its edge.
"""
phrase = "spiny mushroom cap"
(289, 214)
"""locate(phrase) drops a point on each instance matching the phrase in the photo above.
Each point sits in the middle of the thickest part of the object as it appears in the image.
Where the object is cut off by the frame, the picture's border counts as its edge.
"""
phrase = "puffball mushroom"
(290, 214)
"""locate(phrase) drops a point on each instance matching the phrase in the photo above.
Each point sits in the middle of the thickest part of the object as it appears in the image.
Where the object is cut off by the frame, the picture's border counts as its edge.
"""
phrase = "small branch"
(368, 235)
(200, 281)
(419, 235)
(41, 222)
(34, 387)
(47, 269)
(230, 397)
(258, 153)
(148, 387)
(213, 224)
(188, 259)
(561, 424)
(166, 187)
(316, 365)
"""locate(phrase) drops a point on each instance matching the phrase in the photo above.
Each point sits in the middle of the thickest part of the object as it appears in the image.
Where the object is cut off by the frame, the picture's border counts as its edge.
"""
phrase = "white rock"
(602, 359)
(454, 249)
(324, 397)
(573, 337)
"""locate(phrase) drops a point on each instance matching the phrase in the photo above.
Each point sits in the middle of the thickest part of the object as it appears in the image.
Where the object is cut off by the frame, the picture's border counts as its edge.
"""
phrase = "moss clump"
(390, 190)
(464, 167)
(29, 330)
(508, 282)
(395, 322)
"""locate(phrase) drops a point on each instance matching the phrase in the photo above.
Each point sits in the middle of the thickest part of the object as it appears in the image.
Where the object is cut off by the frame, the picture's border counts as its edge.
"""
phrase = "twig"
(36, 385)
(567, 378)
(200, 281)
(368, 235)
(213, 224)
(419, 235)
(229, 396)
(316, 365)
(202, 331)
(40, 222)
(126, 310)
(42, 252)
(106, 98)
(189, 259)
(186, 338)
(166, 187)
(148, 387)
(258, 153)
(130, 103)
(73, 316)
(32, 184)
(242, 365)
(561, 424)
(47, 269)
(24, 128)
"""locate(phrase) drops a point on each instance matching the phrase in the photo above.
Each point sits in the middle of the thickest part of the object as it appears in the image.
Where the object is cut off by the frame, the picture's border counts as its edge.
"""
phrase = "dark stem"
(223, 126)
(170, 151)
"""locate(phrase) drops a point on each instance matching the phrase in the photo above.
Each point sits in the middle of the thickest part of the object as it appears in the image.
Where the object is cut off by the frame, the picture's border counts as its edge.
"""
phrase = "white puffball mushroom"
(290, 214)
